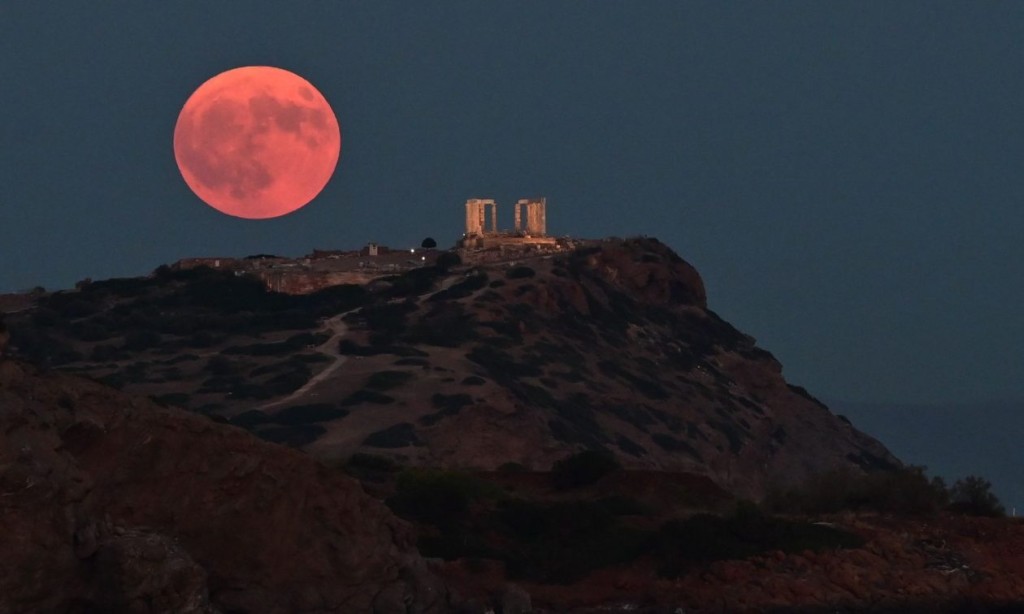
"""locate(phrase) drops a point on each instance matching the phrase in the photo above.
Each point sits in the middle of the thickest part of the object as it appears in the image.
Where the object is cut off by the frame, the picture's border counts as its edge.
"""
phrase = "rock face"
(113, 504)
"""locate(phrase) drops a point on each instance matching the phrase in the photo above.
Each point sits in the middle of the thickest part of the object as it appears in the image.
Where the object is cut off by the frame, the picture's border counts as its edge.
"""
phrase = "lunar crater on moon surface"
(257, 142)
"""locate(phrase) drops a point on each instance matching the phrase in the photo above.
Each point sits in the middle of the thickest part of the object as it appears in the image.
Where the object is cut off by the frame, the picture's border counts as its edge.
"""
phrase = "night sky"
(846, 176)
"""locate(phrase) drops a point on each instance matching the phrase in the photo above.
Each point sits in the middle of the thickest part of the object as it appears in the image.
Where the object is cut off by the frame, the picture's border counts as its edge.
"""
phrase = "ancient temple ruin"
(530, 229)
(477, 218)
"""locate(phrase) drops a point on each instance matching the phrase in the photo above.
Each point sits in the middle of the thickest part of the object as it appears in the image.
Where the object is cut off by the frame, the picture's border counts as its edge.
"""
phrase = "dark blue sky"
(845, 175)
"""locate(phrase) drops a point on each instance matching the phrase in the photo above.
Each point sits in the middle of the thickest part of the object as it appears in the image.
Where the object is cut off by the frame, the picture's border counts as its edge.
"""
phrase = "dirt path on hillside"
(338, 327)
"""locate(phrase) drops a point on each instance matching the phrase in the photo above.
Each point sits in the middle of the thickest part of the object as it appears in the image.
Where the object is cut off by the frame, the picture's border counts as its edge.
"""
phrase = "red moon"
(257, 142)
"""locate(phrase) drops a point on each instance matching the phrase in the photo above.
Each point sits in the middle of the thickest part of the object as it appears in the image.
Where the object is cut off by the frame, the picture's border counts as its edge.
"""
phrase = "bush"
(440, 498)
(562, 542)
(703, 538)
(305, 414)
(294, 436)
(366, 396)
(447, 325)
(449, 405)
(179, 399)
(446, 261)
(413, 283)
(520, 272)
(397, 436)
(388, 317)
(973, 496)
(907, 491)
(582, 469)
(512, 467)
(371, 462)
(462, 289)
(249, 418)
(386, 380)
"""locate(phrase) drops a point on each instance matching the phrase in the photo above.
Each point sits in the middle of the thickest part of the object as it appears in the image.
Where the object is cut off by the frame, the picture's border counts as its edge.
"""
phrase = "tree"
(428, 243)
(973, 496)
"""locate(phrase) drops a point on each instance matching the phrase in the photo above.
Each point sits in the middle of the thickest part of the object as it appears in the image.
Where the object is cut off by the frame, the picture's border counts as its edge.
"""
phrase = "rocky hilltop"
(514, 360)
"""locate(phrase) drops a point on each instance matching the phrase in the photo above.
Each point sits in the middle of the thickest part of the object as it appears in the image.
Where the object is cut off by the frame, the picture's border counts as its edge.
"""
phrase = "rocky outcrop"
(111, 503)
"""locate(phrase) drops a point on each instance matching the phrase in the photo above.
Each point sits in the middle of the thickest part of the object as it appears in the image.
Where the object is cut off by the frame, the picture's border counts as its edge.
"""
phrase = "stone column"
(474, 217)
(531, 218)
(543, 226)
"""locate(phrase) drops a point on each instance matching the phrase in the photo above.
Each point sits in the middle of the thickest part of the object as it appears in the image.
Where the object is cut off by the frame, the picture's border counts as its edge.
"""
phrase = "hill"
(512, 360)
(579, 423)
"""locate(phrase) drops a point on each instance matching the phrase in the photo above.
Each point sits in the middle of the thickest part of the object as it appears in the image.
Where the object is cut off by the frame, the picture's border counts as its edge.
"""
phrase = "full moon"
(257, 142)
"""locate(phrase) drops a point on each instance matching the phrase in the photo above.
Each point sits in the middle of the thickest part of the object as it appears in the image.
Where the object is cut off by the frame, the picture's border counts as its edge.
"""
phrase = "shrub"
(582, 469)
(294, 436)
(179, 399)
(371, 462)
(300, 340)
(462, 289)
(414, 282)
(447, 325)
(305, 414)
(249, 418)
(973, 496)
(449, 405)
(512, 467)
(397, 436)
(261, 349)
(388, 317)
(905, 491)
(440, 498)
(447, 260)
(386, 380)
(562, 542)
(80, 308)
(501, 365)
(366, 396)
(704, 537)
(520, 272)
